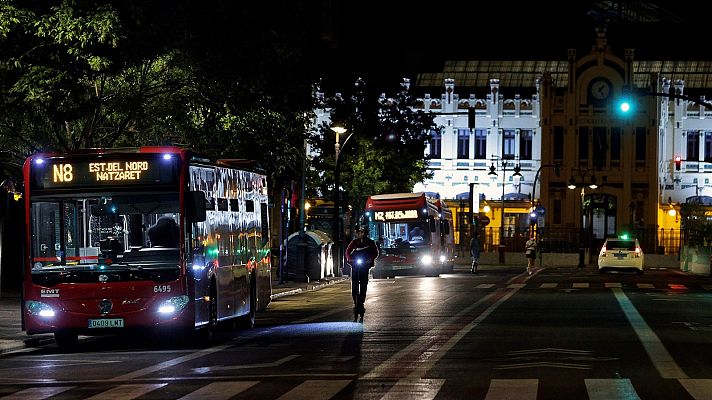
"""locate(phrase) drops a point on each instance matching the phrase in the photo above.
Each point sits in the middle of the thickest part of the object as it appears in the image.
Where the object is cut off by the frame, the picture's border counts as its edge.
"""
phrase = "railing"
(571, 240)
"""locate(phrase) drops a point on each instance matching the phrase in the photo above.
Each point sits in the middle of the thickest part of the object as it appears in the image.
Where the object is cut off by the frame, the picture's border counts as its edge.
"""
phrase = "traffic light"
(471, 117)
(678, 163)
(624, 104)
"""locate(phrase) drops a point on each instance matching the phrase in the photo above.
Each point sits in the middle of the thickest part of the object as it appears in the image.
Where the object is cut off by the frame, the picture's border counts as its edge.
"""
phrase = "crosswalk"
(597, 285)
(325, 389)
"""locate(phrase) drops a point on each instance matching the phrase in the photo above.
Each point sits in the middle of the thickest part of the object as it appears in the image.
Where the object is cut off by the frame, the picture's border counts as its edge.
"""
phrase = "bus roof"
(397, 201)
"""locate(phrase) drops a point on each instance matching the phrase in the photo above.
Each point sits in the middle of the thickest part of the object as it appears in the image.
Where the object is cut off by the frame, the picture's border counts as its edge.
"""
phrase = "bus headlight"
(427, 259)
(39, 308)
(173, 305)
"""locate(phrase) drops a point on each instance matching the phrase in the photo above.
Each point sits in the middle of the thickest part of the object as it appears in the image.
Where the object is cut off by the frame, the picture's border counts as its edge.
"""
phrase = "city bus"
(414, 233)
(153, 238)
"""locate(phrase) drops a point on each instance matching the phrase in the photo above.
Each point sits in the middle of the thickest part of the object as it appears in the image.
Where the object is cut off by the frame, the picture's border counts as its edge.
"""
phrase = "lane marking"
(613, 284)
(219, 390)
(580, 285)
(700, 389)
(315, 390)
(414, 389)
(516, 285)
(484, 285)
(548, 285)
(610, 389)
(168, 364)
(125, 392)
(645, 286)
(662, 360)
(37, 393)
(512, 389)
(252, 366)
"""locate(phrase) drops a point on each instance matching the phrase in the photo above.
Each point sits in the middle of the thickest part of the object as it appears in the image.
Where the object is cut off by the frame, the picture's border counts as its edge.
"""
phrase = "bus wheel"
(247, 321)
(66, 339)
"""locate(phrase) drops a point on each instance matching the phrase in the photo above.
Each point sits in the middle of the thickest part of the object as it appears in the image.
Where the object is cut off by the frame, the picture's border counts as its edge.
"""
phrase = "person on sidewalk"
(530, 252)
(360, 254)
(475, 246)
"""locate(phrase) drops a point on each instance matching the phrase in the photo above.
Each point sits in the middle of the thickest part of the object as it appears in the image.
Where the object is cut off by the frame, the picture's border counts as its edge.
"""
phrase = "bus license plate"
(106, 323)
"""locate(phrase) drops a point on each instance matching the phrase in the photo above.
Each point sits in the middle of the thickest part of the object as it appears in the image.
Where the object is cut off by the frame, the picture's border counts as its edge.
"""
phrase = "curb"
(308, 288)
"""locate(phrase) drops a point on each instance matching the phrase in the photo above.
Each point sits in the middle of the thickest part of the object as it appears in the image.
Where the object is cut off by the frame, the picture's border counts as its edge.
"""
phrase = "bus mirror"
(432, 225)
(195, 206)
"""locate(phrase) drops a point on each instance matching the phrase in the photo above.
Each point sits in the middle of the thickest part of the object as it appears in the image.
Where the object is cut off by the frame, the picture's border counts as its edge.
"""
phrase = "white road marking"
(512, 389)
(315, 390)
(610, 389)
(414, 389)
(548, 285)
(663, 361)
(219, 390)
(580, 285)
(613, 284)
(169, 363)
(699, 389)
(645, 286)
(126, 392)
(252, 366)
(427, 362)
(484, 285)
(516, 285)
(37, 393)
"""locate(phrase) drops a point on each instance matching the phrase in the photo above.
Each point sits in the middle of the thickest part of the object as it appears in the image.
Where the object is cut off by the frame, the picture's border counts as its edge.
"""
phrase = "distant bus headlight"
(173, 305)
(39, 308)
(427, 259)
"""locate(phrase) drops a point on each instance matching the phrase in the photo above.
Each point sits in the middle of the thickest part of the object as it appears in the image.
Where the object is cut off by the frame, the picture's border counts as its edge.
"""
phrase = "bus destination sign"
(395, 215)
(64, 173)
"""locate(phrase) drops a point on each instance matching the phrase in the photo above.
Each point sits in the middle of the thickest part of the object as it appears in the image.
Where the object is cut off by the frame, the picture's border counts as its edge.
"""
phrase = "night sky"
(385, 41)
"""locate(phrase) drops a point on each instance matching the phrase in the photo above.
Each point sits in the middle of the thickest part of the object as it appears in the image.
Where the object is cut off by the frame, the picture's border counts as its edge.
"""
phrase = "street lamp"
(339, 130)
(504, 164)
(593, 185)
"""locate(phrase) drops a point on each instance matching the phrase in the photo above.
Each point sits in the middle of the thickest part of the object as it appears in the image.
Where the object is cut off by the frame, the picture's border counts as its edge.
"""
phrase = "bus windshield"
(401, 234)
(104, 231)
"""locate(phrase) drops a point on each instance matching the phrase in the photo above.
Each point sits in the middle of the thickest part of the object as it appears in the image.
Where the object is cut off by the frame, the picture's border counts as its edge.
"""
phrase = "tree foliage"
(385, 148)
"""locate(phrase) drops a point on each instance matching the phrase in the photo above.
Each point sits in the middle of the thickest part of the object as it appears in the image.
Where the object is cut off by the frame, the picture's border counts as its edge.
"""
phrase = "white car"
(617, 253)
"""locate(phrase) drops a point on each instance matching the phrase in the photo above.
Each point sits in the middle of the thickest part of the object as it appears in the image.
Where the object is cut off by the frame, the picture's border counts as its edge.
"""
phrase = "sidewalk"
(13, 338)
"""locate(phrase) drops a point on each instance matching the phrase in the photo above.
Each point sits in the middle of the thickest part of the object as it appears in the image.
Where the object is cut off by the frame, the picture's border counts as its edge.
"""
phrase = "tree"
(385, 153)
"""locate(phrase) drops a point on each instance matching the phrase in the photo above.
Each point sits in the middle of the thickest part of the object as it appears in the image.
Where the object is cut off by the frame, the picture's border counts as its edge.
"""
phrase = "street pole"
(336, 251)
(501, 221)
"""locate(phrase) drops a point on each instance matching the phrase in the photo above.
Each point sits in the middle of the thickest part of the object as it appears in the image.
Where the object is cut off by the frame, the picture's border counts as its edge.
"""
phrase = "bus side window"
(195, 207)
(432, 225)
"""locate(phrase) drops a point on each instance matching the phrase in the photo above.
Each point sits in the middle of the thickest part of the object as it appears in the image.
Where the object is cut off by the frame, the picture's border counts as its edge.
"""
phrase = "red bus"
(150, 237)
(414, 232)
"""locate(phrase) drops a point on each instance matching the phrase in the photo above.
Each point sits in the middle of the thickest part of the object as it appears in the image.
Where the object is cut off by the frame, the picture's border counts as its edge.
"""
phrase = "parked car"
(620, 253)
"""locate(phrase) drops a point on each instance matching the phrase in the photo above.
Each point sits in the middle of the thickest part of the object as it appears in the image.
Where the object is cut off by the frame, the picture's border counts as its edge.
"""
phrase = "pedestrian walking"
(475, 248)
(530, 252)
(360, 254)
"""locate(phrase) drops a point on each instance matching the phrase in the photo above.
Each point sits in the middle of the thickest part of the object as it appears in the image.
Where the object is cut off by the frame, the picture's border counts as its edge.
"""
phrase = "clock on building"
(600, 88)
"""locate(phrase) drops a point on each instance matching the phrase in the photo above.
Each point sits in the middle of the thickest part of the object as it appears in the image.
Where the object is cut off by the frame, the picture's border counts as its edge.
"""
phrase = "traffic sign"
(484, 220)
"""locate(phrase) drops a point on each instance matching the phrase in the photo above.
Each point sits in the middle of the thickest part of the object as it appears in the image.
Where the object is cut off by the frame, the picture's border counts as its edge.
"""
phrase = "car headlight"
(173, 305)
(443, 258)
(39, 308)
(427, 259)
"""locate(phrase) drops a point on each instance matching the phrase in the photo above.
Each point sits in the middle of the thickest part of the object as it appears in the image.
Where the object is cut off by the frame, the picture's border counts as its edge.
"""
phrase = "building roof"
(523, 74)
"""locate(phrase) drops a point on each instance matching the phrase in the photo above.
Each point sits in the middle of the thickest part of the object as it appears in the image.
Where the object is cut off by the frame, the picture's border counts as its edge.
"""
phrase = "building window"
(463, 143)
(640, 143)
(509, 136)
(693, 146)
(558, 143)
(708, 146)
(435, 140)
(480, 143)
(616, 144)
(583, 144)
(525, 144)
(600, 146)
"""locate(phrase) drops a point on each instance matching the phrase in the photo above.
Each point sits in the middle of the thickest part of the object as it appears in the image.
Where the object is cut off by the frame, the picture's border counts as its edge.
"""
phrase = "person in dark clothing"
(475, 253)
(165, 233)
(360, 254)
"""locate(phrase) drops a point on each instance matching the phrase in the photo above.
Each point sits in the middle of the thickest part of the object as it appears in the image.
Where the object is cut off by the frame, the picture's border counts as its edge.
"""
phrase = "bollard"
(581, 258)
(501, 253)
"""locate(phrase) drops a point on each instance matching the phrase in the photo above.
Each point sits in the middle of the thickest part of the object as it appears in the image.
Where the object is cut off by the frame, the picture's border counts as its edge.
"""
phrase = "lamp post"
(337, 257)
(504, 164)
(573, 185)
